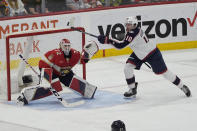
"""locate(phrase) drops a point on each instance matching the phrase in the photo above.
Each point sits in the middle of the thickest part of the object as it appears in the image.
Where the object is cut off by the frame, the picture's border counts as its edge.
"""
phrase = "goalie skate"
(21, 100)
(186, 90)
(132, 92)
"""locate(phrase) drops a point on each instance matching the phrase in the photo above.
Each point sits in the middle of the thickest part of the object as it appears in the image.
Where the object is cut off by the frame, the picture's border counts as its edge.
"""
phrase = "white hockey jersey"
(138, 42)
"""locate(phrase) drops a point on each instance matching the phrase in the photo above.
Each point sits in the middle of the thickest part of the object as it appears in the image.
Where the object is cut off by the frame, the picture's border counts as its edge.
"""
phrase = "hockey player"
(143, 51)
(118, 125)
(61, 61)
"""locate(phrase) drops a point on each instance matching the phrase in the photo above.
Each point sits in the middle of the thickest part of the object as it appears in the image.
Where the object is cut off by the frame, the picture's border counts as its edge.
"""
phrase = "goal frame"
(32, 33)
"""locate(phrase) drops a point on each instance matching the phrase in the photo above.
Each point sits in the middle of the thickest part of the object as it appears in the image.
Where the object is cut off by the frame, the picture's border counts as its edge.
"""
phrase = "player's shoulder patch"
(57, 52)
(75, 51)
(51, 56)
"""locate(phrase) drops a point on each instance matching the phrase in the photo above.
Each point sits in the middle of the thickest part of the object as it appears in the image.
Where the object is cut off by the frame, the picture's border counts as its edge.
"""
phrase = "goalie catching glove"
(89, 50)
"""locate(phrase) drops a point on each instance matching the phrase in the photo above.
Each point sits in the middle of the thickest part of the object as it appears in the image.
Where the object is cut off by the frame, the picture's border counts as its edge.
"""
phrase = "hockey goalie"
(56, 68)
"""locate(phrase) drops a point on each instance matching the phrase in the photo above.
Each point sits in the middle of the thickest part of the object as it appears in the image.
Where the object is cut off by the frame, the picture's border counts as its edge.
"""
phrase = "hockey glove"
(103, 39)
(85, 57)
(86, 60)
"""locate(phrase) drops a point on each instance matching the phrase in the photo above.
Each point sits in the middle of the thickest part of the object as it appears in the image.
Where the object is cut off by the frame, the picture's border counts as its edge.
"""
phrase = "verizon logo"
(192, 21)
(153, 28)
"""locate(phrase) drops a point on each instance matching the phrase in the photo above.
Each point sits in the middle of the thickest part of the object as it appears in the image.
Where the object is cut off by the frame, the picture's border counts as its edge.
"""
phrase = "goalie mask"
(65, 45)
(131, 23)
(118, 126)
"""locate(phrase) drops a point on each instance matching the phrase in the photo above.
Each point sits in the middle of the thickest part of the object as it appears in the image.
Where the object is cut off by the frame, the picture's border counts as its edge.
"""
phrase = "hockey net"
(33, 45)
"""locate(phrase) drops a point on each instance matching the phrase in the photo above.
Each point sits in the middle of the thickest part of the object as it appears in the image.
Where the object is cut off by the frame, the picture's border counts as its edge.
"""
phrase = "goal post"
(42, 41)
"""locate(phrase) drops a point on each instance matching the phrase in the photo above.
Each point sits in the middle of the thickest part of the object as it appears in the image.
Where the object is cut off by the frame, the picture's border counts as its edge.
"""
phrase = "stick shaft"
(84, 32)
(28, 64)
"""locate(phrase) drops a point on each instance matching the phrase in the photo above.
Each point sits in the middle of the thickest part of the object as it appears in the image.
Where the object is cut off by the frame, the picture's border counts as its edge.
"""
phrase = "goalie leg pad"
(42, 90)
(41, 93)
(49, 79)
(56, 84)
(90, 91)
(46, 73)
(46, 77)
(35, 92)
(83, 87)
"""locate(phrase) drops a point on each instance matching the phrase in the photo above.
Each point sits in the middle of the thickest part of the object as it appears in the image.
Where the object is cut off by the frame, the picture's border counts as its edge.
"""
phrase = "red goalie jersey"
(58, 61)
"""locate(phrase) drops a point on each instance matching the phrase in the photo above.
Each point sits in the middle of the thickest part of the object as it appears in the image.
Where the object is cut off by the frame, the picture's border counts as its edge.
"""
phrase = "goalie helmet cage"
(42, 33)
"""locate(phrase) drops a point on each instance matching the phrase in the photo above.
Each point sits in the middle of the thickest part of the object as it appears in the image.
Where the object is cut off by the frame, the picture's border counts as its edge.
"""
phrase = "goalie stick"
(54, 92)
(29, 65)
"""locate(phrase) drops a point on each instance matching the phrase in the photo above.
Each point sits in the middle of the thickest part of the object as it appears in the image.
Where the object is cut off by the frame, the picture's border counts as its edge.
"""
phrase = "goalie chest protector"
(57, 57)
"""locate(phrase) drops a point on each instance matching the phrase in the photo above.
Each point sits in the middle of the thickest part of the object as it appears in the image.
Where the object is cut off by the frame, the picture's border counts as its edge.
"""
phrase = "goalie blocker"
(42, 90)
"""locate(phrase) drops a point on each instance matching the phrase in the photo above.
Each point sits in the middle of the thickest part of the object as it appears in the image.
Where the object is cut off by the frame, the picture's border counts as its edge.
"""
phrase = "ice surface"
(159, 106)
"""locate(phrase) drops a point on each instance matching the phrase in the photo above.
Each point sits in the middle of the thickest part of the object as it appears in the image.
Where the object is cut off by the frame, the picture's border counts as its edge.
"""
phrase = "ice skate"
(132, 92)
(21, 100)
(186, 90)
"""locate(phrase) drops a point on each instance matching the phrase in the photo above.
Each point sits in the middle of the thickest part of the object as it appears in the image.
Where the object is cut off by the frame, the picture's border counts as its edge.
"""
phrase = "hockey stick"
(29, 65)
(84, 32)
(63, 101)
(147, 65)
(54, 92)
(71, 25)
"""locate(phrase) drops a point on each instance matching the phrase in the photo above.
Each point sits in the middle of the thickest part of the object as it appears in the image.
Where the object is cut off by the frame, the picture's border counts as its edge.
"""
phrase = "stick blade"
(73, 104)
(71, 22)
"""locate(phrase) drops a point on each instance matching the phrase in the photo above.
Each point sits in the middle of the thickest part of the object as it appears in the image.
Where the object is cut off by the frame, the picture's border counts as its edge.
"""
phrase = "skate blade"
(131, 97)
(20, 104)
